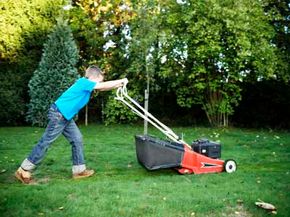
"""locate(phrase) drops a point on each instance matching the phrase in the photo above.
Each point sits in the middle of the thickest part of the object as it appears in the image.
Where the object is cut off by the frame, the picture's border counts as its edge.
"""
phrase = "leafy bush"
(117, 112)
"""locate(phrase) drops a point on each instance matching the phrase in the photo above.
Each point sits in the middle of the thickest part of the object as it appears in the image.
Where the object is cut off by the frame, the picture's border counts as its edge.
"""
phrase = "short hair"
(93, 71)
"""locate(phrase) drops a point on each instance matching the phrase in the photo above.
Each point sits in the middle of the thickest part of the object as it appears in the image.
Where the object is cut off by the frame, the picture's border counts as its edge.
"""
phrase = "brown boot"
(86, 173)
(24, 176)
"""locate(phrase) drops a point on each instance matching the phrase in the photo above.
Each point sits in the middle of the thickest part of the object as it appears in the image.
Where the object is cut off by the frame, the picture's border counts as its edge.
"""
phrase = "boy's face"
(99, 78)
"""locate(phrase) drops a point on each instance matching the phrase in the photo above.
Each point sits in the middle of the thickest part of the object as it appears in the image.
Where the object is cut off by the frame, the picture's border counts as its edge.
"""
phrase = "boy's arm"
(109, 85)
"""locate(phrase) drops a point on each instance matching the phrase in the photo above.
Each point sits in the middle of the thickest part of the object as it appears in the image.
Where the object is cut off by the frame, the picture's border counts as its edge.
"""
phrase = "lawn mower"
(202, 156)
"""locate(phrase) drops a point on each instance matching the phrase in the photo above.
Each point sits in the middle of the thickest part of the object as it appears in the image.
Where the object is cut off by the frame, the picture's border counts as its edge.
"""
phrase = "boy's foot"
(24, 176)
(86, 173)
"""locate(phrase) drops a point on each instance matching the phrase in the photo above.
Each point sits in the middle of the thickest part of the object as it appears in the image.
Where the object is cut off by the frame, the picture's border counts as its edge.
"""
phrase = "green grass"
(122, 187)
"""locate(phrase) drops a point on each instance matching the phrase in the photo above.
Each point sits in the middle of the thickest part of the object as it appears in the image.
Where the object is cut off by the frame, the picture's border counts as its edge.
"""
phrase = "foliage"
(95, 24)
(202, 51)
(116, 112)
(24, 25)
(55, 73)
(11, 103)
(24, 21)
(278, 13)
(143, 47)
(212, 47)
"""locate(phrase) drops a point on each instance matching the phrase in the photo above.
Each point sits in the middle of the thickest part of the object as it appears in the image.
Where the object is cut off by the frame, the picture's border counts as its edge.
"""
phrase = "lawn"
(122, 187)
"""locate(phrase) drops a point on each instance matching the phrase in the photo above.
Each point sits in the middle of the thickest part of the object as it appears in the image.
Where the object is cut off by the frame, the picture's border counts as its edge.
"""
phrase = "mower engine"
(207, 148)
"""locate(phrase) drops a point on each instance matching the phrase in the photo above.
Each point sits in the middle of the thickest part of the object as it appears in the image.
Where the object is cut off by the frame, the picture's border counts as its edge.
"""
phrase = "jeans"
(57, 125)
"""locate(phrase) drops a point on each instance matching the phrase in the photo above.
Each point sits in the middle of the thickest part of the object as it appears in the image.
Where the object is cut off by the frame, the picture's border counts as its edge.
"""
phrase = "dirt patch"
(238, 211)
(42, 180)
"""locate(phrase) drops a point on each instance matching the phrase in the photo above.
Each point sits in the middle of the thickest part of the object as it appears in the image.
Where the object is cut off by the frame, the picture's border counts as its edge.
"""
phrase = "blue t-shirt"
(75, 98)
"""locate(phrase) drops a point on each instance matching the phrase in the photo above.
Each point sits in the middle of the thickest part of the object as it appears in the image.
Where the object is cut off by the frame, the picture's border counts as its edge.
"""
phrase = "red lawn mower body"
(196, 163)
(202, 157)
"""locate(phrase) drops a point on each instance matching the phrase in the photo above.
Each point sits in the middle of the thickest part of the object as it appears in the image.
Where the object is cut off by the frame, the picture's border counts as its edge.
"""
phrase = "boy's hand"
(124, 81)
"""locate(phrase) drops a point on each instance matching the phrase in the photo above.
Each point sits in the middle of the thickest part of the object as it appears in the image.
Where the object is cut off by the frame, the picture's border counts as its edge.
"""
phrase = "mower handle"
(122, 95)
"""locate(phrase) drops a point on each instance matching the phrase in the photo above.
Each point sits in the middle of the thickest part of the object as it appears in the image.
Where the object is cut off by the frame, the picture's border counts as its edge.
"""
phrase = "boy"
(60, 121)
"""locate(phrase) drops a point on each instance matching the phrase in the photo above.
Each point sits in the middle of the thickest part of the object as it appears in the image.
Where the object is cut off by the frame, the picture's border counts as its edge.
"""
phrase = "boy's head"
(94, 72)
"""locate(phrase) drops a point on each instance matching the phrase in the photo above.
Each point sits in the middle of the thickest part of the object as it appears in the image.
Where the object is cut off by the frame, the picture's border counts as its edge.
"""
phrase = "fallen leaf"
(266, 206)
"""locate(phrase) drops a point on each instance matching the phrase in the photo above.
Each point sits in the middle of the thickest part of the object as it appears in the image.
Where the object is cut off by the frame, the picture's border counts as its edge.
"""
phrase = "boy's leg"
(54, 128)
(74, 136)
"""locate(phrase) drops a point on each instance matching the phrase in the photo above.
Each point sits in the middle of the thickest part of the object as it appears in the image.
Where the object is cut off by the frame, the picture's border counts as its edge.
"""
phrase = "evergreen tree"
(55, 73)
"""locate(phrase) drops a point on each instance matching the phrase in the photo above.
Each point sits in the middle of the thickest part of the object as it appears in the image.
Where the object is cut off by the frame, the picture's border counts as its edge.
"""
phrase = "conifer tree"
(55, 73)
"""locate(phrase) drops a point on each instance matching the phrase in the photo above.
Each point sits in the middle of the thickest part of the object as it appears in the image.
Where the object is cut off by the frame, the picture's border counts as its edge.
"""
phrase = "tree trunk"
(216, 112)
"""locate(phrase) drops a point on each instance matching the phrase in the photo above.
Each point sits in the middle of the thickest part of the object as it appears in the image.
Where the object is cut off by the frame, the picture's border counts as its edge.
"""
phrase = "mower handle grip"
(121, 91)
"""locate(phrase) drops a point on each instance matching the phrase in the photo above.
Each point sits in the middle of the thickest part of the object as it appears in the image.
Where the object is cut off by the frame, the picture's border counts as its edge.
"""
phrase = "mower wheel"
(230, 166)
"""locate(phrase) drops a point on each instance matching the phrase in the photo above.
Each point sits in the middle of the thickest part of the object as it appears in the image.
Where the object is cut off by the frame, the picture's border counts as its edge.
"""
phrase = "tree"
(100, 27)
(143, 48)
(55, 73)
(212, 47)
